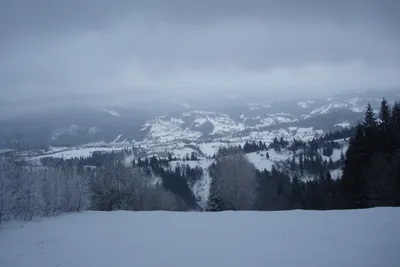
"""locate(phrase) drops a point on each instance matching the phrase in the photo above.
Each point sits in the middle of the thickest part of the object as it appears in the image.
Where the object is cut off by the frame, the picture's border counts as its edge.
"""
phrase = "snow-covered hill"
(367, 238)
(303, 120)
(212, 126)
(236, 121)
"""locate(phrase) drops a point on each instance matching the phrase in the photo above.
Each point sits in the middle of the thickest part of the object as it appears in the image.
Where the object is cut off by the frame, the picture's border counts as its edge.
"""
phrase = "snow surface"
(83, 152)
(343, 124)
(112, 112)
(354, 101)
(336, 174)
(93, 130)
(367, 238)
(336, 153)
(260, 160)
(211, 148)
(358, 109)
(256, 106)
(181, 153)
(165, 129)
(5, 150)
(324, 109)
(302, 104)
(305, 130)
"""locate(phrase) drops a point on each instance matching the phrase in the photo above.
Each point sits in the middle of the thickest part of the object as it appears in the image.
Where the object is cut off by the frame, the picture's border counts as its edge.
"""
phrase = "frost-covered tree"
(27, 192)
(235, 179)
(116, 187)
(214, 202)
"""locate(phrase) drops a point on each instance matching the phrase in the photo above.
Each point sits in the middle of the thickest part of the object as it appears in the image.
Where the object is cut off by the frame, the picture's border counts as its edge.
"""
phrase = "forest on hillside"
(371, 177)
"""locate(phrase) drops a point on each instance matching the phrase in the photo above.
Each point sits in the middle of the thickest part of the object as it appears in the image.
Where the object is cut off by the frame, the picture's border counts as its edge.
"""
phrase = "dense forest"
(104, 181)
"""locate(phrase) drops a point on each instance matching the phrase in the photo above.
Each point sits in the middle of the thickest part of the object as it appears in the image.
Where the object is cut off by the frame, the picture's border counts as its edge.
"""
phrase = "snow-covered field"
(260, 161)
(79, 152)
(289, 238)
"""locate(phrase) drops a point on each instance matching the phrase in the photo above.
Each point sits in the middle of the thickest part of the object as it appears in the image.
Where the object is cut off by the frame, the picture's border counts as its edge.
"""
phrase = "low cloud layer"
(103, 51)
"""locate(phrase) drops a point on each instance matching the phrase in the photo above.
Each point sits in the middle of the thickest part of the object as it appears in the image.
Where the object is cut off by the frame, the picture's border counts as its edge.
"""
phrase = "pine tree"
(260, 145)
(301, 163)
(296, 193)
(369, 120)
(394, 133)
(328, 176)
(384, 116)
(353, 182)
(383, 139)
(214, 202)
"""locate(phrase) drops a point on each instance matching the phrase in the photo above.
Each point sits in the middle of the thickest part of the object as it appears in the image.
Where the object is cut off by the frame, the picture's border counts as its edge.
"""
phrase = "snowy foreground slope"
(290, 238)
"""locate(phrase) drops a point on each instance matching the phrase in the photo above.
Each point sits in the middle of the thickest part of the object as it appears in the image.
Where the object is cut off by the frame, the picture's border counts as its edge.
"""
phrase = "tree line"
(371, 173)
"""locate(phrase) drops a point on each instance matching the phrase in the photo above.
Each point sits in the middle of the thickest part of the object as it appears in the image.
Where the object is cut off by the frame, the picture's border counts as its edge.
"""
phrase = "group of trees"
(278, 145)
(371, 173)
(313, 146)
(250, 147)
(234, 183)
(371, 177)
(179, 180)
(27, 191)
(340, 134)
(237, 185)
(115, 186)
(310, 164)
(94, 159)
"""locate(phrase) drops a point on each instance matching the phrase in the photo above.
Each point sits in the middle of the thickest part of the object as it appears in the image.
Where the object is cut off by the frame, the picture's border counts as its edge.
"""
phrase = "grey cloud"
(101, 49)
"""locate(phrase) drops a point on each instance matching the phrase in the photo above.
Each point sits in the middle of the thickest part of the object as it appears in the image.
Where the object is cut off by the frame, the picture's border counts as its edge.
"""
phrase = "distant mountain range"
(236, 121)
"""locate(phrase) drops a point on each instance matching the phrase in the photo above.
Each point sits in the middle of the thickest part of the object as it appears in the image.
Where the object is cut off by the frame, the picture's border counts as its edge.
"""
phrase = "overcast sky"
(104, 51)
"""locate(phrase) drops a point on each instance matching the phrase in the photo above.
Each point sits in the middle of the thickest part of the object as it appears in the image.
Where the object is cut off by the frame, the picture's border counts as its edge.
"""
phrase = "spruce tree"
(353, 182)
(369, 120)
(214, 202)
(301, 163)
(395, 128)
(384, 116)
(384, 128)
